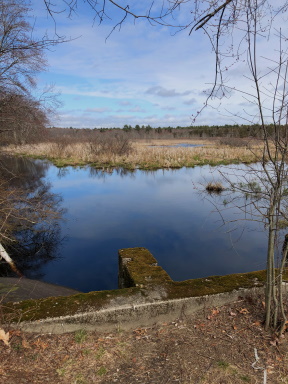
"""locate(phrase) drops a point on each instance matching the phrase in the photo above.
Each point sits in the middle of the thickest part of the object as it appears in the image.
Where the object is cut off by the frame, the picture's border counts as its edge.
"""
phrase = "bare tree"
(266, 185)
(22, 116)
(21, 58)
(271, 179)
(21, 54)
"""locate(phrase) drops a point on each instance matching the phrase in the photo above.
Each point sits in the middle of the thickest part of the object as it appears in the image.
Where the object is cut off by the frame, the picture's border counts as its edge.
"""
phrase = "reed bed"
(143, 154)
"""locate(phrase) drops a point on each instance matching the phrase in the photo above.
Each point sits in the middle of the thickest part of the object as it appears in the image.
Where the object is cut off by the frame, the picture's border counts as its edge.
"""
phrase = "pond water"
(184, 145)
(164, 211)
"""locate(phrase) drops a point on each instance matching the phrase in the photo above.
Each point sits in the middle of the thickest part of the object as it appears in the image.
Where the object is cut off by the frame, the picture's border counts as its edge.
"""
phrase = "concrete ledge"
(139, 268)
(132, 316)
(147, 295)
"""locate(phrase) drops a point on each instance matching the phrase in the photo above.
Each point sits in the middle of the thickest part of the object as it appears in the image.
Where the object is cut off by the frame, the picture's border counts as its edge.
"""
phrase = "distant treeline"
(146, 131)
(19, 135)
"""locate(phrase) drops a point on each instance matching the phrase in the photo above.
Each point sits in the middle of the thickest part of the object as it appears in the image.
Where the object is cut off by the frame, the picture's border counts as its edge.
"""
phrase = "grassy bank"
(143, 154)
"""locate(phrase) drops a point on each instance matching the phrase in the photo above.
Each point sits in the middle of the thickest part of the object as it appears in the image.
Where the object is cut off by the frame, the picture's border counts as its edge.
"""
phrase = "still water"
(166, 211)
(183, 145)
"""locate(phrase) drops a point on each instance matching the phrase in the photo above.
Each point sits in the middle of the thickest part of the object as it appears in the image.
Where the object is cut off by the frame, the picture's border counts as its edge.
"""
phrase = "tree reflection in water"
(30, 215)
(104, 173)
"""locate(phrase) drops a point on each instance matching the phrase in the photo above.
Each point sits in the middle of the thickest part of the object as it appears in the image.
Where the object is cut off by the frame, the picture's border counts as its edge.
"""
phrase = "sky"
(141, 74)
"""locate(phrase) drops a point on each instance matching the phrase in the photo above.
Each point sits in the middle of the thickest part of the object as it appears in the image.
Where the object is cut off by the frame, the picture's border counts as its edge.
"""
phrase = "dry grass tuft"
(214, 187)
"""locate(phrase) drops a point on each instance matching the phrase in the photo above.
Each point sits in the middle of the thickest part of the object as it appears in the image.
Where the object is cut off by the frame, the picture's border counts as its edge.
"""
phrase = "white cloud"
(163, 92)
(190, 101)
(167, 108)
(97, 110)
(136, 109)
(124, 103)
(141, 68)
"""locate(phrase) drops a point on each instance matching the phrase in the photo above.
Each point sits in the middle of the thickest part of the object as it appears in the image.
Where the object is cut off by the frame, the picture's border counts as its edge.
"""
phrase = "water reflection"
(62, 172)
(30, 215)
(180, 145)
(161, 210)
(23, 172)
(103, 173)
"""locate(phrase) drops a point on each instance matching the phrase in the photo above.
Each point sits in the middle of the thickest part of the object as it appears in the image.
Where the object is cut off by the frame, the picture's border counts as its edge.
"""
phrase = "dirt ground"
(218, 346)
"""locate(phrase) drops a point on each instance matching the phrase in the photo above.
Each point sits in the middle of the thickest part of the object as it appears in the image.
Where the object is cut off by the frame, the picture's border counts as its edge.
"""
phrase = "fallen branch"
(4, 255)
(258, 367)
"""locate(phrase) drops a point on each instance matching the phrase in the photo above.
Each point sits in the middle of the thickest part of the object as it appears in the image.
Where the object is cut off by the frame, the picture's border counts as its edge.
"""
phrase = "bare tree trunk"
(280, 284)
(269, 294)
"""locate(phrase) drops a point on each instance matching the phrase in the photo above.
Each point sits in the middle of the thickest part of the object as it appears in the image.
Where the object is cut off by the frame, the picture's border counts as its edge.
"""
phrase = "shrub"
(233, 142)
(214, 187)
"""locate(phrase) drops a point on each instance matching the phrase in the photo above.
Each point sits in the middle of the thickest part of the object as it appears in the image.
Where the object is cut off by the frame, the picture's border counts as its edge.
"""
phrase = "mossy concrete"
(139, 268)
(147, 295)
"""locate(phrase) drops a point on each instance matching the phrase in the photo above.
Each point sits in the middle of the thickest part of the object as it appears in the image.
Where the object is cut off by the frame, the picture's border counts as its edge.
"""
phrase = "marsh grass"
(143, 154)
(214, 187)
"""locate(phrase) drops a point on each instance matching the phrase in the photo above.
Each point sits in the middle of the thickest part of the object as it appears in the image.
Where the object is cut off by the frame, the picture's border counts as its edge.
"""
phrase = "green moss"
(215, 284)
(142, 268)
(29, 310)
(143, 275)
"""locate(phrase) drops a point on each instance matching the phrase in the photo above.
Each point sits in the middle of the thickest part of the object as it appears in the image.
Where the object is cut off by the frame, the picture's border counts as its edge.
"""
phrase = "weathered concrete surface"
(18, 289)
(139, 268)
(133, 315)
(148, 295)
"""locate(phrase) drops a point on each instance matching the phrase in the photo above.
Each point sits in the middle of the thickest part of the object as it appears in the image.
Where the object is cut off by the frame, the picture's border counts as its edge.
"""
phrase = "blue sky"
(139, 75)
